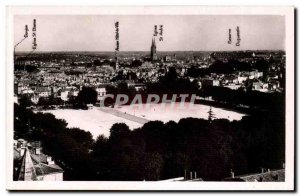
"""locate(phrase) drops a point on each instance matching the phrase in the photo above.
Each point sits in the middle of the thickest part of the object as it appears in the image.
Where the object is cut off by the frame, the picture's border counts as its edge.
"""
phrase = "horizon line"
(157, 51)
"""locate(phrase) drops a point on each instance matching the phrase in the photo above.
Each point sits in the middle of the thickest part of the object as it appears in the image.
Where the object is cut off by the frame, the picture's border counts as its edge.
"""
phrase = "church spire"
(153, 42)
(153, 50)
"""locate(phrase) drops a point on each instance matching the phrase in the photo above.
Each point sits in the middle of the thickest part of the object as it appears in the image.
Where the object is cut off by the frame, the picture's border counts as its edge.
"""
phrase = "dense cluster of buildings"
(263, 81)
(62, 75)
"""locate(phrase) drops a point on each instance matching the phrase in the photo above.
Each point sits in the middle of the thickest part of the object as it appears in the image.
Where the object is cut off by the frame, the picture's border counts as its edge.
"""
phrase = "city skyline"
(197, 33)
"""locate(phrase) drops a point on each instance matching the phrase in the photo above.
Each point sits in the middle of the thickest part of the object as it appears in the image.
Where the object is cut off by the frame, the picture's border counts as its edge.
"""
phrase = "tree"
(25, 101)
(170, 77)
(122, 88)
(262, 65)
(84, 138)
(153, 166)
(211, 115)
(131, 76)
(221, 67)
(86, 96)
(31, 68)
(100, 146)
(119, 130)
(136, 63)
(160, 150)
(97, 62)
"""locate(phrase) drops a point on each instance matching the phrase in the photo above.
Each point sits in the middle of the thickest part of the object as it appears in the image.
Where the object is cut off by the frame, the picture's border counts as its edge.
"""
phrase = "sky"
(180, 32)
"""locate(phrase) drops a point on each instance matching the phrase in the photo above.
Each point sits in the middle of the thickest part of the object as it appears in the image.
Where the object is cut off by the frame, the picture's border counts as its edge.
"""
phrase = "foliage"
(87, 95)
(254, 99)
(160, 150)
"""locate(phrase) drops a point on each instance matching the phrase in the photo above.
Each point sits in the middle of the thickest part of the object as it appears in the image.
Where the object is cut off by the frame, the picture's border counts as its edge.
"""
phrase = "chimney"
(37, 151)
(231, 174)
(49, 160)
(191, 175)
(19, 145)
(185, 177)
(195, 175)
(22, 151)
(262, 170)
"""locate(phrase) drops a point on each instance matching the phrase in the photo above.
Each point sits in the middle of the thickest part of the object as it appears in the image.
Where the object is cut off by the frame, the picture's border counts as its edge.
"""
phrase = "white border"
(288, 12)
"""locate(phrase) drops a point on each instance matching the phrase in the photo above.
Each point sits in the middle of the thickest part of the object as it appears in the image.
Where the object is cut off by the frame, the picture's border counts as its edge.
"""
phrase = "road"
(126, 116)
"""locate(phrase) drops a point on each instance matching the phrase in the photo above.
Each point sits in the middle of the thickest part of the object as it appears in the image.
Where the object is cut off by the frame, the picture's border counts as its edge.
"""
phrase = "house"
(209, 82)
(273, 84)
(35, 99)
(90, 106)
(30, 164)
(260, 86)
(27, 91)
(265, 176)
(230, 79)
(255, 74)
(64, 95)
(19, 88)
(137, 86)
(242, 79)
(101, 91)
(233, 86)
(73, 92)
(43, 91)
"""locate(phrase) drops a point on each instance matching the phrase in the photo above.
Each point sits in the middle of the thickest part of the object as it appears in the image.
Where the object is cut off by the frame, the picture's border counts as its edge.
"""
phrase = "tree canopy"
(87, 95)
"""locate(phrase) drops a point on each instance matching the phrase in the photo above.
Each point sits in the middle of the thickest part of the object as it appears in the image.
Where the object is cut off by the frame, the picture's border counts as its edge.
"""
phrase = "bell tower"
(153, 50)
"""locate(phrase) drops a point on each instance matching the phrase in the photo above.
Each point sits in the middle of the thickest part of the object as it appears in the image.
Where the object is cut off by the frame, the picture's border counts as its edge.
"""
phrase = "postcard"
(164, 98)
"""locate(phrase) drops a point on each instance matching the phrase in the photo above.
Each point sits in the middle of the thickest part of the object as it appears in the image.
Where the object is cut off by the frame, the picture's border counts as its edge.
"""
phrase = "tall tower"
(117, 63)
(153, 50)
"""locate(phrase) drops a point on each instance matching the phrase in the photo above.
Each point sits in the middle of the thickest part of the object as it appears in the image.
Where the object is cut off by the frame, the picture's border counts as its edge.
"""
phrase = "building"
(64, 94)
(35, 99)
(233, 86)
(137, 86)
(264, 176)
(116, 64)
(255, 74)
(189, 176)
(89, 106)
(205, 82)
(43, 91)
(153, 55)
(260, 86)
(101, 91)
(30, 164)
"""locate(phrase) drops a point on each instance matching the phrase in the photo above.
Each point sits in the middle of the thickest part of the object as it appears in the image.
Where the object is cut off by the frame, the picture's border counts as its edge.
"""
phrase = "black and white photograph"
(150, 98)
